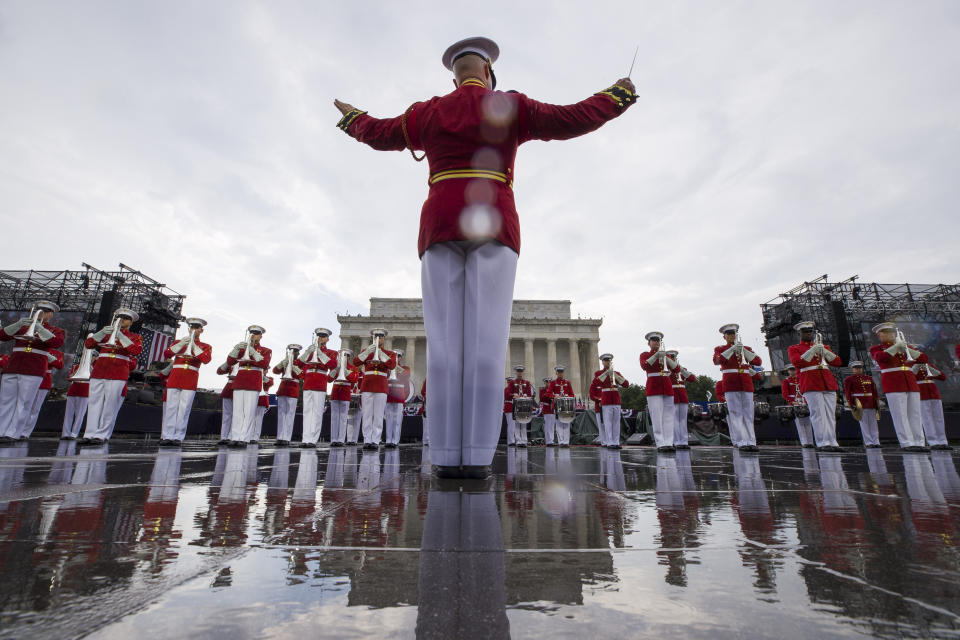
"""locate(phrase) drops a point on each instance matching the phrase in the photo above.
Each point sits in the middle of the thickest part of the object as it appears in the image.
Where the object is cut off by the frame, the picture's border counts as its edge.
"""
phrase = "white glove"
(256, 355)
(810, 353)
(893, 349)
(748, 355)
(283, 364)
(43, 333)
(238, 349)
(100, 335)
(913, 354)
(124, 340)
(669, 363)
(827, 354)
(729, 352)
(363, 354)
(652, 359)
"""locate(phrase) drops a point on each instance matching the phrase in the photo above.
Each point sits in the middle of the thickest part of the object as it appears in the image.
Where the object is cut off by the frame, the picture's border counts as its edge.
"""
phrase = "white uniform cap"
(255, 328)
(856, 363)
(399, 352)
(804, 324)
(321, 331)
(883, 326)
(347, 352)
(519, 367)
(46, 305)
(560, 367)
(652, 335)
(130, 313)
(295, 346)
(730, 327)
(606, 356)
(196, 321)
(546, 380)
(483, 47)
(378, 332)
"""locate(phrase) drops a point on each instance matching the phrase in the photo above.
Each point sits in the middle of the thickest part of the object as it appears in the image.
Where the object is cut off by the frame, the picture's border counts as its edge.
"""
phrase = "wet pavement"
(125, 541)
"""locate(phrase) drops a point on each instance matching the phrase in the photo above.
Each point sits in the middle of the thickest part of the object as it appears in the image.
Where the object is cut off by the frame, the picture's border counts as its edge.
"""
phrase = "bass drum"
(785, 413)
(523, 409)
(761, 410)
(718, 409)
(565, 408)
(694, 410)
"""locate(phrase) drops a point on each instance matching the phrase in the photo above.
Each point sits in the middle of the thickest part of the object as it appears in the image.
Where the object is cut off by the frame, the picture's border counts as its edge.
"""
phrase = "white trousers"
(338, 420)
(313, 403)
(467, 300)
(934, 429)
(394, 416)
(226, 418)
(740, 417)
(258, 423)
(610, 432)
(286, 413)
(869, 428)
(662, 415)
(106, 396)
(73, 415)
(353, 425)
(511, 429)
(374, 405)
(176, 413)
(680, 410)
(17, 393)
(549, 427)
(907, 417)
(31, 423)
(804, 430)
(563, 432)
(823, 416)
(244, 414)
(519, 432)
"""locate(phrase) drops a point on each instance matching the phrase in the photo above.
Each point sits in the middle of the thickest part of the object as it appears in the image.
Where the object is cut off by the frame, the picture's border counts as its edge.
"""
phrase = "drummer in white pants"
(860, 389)
(817, 383)
(344, 376)
(560, 387)
(226, 402)
(518, 388)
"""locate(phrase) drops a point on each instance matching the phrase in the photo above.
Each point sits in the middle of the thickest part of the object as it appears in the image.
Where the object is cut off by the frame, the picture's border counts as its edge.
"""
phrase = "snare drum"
(565, 408)
(694, 410)
(523, 410)
(761, 410)
(801, 411)
(785, 413)
(718, 409)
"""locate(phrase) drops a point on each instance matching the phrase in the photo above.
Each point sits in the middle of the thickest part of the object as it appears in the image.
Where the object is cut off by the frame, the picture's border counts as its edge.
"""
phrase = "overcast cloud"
(772, 142)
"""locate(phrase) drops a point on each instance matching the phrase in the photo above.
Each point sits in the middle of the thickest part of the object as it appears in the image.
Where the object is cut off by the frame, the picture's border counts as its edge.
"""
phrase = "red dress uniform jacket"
(264, 400)
(47, 382)
(659, 381)
(397, 389)
(860, 388)
(250, 373)
(595, 396)
(813, 375)
(479, 130)
(114, 362)
(718, 390)
(896, 374)
(78, 388)
(375, 372)
(342, 389)
(316, 375)
(546, 400)
(227, 391)
(928, 388)
(29, 357)
(560, 388)
(288, 388)
(788, 389)
(186, 369)
(608, 391)
(679, 378)
(515, 387)
(736, 374)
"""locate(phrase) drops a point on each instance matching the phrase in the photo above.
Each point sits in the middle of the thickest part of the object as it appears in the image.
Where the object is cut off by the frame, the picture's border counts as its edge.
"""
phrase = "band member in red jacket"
(78, 394)
(546, 410)
(252, 360)
(860, 388)
(33, 338)
(188, 354)
(896, 358)
(681, 402)
(118, 348)
(226, 402)
(560, 387)
(817, 384)
(607, 383)
(54, 361)
(791, 394)
(376, 362)
(508, 414)
(470, 234)
(399, 388)
(516, 387)
(931, 406)
(288, 393)
(660, 405)
(318, 363)
(736, 361)
(345, 376)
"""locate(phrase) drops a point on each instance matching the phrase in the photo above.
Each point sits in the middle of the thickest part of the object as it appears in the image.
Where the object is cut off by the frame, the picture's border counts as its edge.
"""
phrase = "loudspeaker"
(108, 303)
(843, 330)
(637, 438)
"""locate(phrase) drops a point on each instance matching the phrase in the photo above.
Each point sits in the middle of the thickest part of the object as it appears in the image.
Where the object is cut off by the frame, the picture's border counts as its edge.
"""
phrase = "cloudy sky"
(772, 142)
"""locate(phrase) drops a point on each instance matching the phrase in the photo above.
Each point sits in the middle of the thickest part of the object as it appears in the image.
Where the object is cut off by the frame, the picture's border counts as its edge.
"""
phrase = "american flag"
(154, 344)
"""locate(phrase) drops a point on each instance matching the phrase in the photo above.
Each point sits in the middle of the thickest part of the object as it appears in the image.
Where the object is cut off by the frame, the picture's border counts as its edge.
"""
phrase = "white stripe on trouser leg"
(680, 410)
(244, 414)
(31, 422)
(549, 427)
(611, 424)
(393, 415)
(823, 417)
(804, 431)
(17, 393)
(76, 409)
(313, 402)
(226, 418)
(661, 417)
(740, 417)
(467, 299)
(907, 421)
(338, 420)
(868, 427)
(511, 429)
(286, 414)
(106, 396)
(933, 423)
(374, 405)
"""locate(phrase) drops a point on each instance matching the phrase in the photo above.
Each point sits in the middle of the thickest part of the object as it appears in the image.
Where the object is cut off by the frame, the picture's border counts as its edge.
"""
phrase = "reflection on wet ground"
(125, 541)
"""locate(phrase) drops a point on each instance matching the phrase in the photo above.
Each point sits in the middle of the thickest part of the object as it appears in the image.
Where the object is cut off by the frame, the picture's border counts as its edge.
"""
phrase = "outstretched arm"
(542, 121)
(383, 134)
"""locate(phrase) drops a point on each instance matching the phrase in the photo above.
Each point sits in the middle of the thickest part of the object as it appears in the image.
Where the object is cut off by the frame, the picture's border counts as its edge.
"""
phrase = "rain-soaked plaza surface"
(125, 541)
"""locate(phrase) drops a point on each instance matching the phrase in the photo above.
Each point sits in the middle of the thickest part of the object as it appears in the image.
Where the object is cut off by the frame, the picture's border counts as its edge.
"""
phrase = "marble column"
(576, 380)
(551, 357)
(594, 354)
(528, 359)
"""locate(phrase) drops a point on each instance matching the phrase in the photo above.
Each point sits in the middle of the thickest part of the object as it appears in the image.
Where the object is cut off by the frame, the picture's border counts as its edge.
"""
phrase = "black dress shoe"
(511, 444)
(254, 442)
(6, 439)
(465, 472)
(550, 444)
(749, 448)
(282, 443)
(67, 438)
(22, 438)
(351, 444)
(941, 447)
(682, 446)
(873, 446)
(237, 444)
(311, 445)
(369, 446)
(830, 449)
(667, 449)
(223, 441)
(336, 444)
(915, 449)
(809, 446)
(565, 446)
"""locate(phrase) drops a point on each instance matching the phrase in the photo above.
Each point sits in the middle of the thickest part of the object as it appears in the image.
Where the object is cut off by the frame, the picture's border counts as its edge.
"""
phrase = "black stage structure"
(928, 314)
(87, 300)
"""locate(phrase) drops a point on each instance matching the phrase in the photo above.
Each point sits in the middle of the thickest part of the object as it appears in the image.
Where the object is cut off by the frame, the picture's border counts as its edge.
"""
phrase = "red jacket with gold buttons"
(659, 381)
(896, 374)
(288, 388)
(862, 388)
(928, 388)
(736, 374)
(678, 379)
(29, 356)
(788, 389)
(186, 369)
(813, 374)
(375, 372)
(113, 362)
(250, 373)
(342, 390)
(608, 391)
(263, 400)
(57, 363)
(515, 387)
(398, 389)
(316, 375)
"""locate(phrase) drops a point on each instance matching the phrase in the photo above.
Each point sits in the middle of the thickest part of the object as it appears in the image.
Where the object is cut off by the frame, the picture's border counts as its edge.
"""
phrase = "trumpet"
(376, 353)
(191, 344)
(612, 374)
(85, 368)
(315, 356)
(742, 351)
(114, 331)
(288, 370)
(31, 331)
(247, 353)
(818, 340)
(342, 369)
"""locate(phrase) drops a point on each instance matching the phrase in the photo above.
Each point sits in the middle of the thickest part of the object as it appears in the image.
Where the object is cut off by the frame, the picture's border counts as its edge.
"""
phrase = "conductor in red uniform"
(817, 384)
(470, 234)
